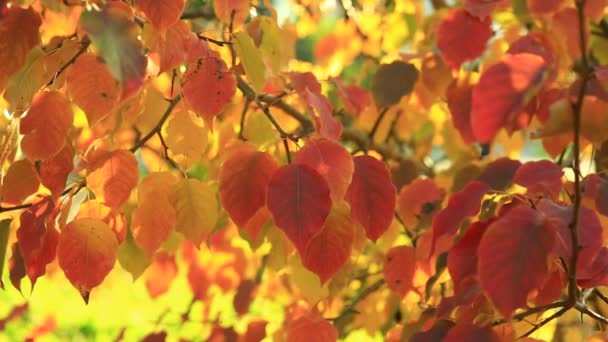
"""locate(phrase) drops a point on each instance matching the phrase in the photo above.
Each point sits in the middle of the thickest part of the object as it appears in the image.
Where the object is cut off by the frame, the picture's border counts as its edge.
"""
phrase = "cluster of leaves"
(358, 186)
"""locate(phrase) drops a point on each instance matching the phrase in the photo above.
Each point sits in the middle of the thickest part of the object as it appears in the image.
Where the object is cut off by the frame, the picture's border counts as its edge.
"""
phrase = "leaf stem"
(377, 123)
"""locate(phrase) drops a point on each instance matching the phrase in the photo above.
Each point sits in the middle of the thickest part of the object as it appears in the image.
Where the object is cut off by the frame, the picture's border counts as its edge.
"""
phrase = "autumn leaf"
(86, 252)
(298, 198)
(162, 13)
(112, 176)
(393, 81)
(371, 196)
(399, 268)
(196, 208)
(21, 180)
(513, 257)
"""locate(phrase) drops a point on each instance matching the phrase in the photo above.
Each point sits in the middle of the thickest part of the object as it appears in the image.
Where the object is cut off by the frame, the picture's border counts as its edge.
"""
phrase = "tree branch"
(85, 45)
(545, 321)
(172, 104)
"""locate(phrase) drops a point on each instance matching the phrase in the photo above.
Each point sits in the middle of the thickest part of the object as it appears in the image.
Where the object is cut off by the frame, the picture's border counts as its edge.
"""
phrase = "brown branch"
(587, 311)
(214, 41)
(360, 296)
(601, 296)
(522, 315)
(158, 126)
(577, 108)
(243, 114)
(545, 321)
(170, 160)
(377, 123)
(85, 45)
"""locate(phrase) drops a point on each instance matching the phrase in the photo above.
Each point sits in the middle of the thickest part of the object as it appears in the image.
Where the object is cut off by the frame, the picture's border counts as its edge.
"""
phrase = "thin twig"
(287, 152)
(587, 311)
(601, 296)
(377, 123)
(85, 45)
(214, 41)
(243, 113)
(545, 321)
(577, 111)
(158, 126)
(360, 296)
(166, 154)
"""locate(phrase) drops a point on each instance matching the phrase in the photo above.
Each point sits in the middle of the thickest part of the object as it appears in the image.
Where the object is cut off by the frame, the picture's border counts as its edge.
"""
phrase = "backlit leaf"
(115, 36)
(415, 198)
(186, 136)
(470, 332)
(113, 218)
(21, 180)
(92, 87)
(23, 85)
(371, 196)
(329, 250)
(54, 172)
(46, 125)
(152, 222)
(393, 81)
(399, 268)
(161, 13)
(462, 37)
(326, 125)
(513, 257)
(224, 8)
(171, 46)
(197, 209)
(86, 253)
(208, 86)
(160, 275)
(311, 327)
(243, 190)
(37, 238)
(299, 200)
(131, 257)
(252, 62)
(332, 161)
(460, 97)
(503, 91)
(112, 176)
(462, 258)
(540, 177)
(15, 47)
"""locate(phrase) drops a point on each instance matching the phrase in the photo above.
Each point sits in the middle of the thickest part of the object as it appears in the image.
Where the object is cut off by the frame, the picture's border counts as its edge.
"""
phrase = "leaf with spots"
(208, 86)
(86, 252)
(399, 269)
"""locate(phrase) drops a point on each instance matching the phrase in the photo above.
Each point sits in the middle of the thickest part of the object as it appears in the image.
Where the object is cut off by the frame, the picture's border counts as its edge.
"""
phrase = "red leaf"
(470, 332)
(54, 172)
(462, 37)
(172, 46)
(399, 269)
(595, 273)
(37, 239)
(161, 13)
(327, 125)
(311, 328)
(302, 80)
(256, 331)
(417, 199)
(499, 173)
(298, 198)
(208, 86)
(532, 44)
(480, 8)
(460, 97)
(86, 253)
(542, 176)
(243, 180)
(461, 205)
(16, 267)
(354, 98)
(503, 91)
(462, 258)
(332, 161)
(244, 296)
(328, 251)
(46, 125)
(540, 7)
(371, 196)
(514, 256)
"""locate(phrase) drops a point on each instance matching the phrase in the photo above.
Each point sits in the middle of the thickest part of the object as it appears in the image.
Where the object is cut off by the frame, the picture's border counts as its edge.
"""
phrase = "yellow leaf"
(187, 137)
(23, 85)
(197, 209)
(251, 60)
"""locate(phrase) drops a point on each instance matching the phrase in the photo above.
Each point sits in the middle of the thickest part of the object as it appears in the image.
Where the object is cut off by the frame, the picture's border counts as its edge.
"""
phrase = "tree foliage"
(306, 170)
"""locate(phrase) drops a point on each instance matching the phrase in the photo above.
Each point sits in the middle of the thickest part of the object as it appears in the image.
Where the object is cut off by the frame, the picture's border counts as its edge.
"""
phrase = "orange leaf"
(18, 34)
(171, 46)
(462, 37)
(114, 219)
(298, 198)
(46, 125)
(92, 87)
(161, 13)
(160, 274)
(399, 269)
(244, 178)
(112, 176)
(87, 253)
(208, 86)
(21, 180)
(415, 198)
(371, 196)
(332, 161)
(223, 10)
(152, 222)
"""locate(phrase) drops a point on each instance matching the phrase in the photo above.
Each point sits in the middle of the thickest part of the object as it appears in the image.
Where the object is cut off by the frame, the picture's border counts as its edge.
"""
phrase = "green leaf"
(251, 60)
(132, 257)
